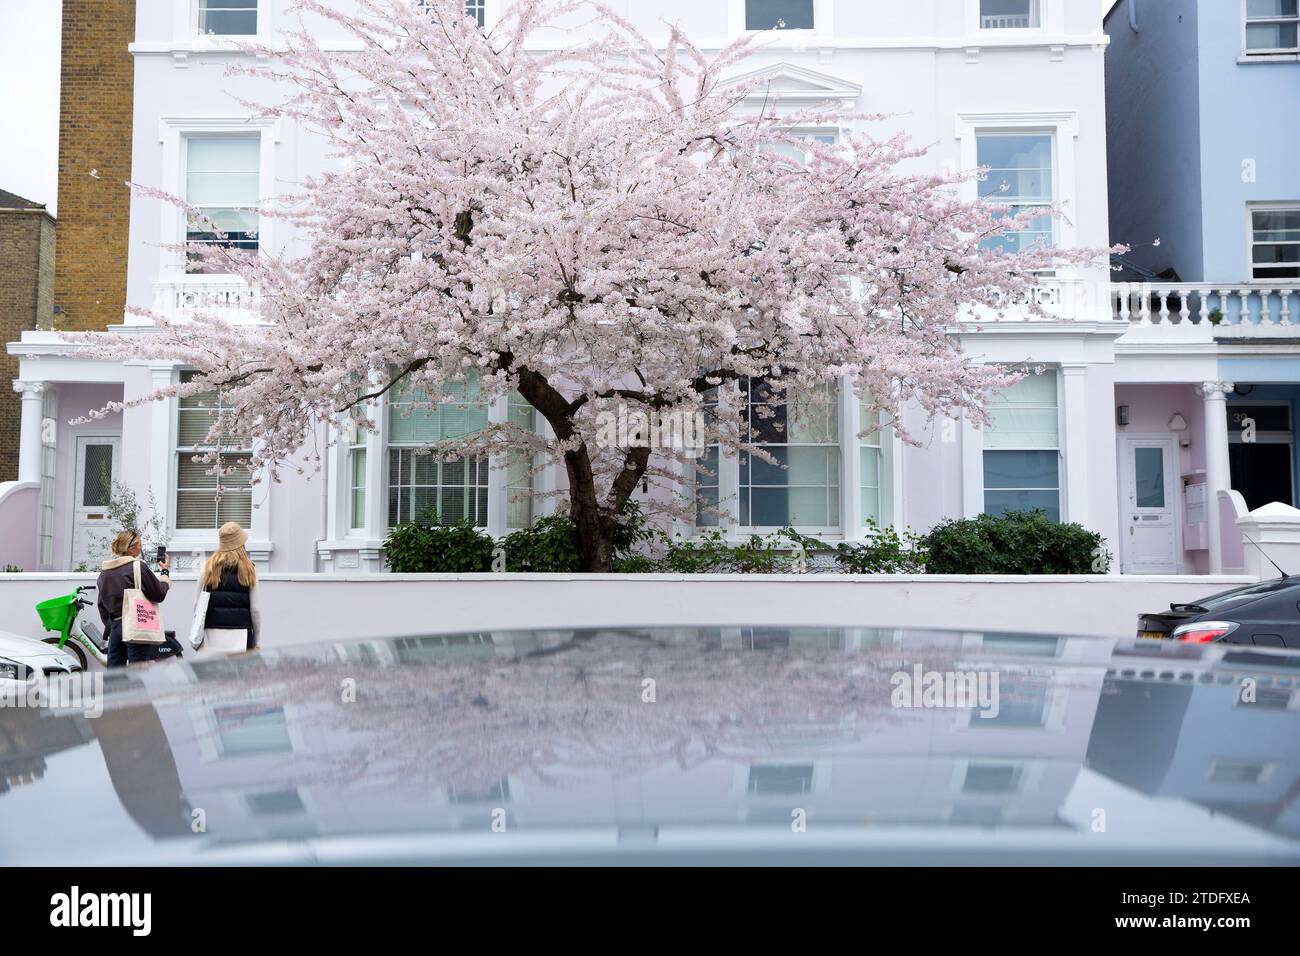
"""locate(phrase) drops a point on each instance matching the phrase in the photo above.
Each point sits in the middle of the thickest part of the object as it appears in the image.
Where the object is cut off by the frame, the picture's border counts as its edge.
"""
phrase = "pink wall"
(18, 519)
(75, 401)
(1150, 408)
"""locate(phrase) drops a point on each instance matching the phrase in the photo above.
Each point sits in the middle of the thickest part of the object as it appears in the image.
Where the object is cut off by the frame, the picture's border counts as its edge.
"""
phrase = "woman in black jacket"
(232, 623)
(118, 575)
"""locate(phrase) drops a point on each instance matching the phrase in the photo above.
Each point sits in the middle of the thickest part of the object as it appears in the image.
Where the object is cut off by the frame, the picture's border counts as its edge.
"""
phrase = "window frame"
(1037, 11)
(985, 450)
(199, 7)
(1252, 242)
(1063, 127)
(392, 410)
(1265, 54)
(835, 493)
(187, 140)
(1022, 205)
(178, 450)
(798, 31)
(172, 135)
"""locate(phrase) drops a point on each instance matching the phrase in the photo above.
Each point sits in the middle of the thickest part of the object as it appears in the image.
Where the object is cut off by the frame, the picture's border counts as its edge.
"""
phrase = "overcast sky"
(29, 98)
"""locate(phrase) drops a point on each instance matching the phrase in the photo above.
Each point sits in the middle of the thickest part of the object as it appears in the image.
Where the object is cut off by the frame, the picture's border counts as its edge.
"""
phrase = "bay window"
(1020, 176)
(221, 179)
(204, 500)
(871, 453)
(802, 435)
(228, 17)
(1022, 449)
(418, 483)
(519, 467)
(706, 473)
(1272, 27)
(357, 482)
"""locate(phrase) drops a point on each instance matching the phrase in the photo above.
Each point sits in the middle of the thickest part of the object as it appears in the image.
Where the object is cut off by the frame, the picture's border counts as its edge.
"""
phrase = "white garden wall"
(298, 609)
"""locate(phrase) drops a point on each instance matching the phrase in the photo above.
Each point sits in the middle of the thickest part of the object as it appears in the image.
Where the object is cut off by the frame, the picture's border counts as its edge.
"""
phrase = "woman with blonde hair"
(232, 623)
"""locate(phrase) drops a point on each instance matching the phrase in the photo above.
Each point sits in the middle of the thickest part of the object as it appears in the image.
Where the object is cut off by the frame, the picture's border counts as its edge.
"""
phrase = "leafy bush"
(1018, 542)
(426, 546)
(127, 513)
(711, 553)
(885, 551)
(550, 545)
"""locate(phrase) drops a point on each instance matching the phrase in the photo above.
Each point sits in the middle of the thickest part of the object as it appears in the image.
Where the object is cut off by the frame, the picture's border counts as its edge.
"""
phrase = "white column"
(1217, 473)
(1074, 398)
(729, 398)
(159, 445)
(498, 477)
(29, 441)
(972, 468)
(850, 463)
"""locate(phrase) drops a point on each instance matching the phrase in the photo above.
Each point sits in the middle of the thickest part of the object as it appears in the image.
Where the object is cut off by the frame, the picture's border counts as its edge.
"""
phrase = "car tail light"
(1204, 632)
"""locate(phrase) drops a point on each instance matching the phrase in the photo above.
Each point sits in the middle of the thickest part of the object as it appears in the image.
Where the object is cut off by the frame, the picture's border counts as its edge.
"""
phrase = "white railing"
(230, 299)
(1225, 310)
(1015, 21)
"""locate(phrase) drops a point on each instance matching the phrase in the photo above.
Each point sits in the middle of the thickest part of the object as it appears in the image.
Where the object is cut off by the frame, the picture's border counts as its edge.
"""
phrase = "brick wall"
(95, 107)
(26, 283)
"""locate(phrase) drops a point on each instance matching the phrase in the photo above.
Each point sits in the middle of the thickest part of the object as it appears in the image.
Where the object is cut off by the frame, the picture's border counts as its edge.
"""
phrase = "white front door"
(98, 463)
(1149, 531)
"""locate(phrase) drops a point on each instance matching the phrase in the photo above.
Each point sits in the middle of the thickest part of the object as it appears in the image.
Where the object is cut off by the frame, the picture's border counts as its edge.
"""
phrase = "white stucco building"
(1018, 85)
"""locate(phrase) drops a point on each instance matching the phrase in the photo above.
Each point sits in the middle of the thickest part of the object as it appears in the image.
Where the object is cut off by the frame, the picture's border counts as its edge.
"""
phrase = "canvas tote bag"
(198, 627)
(141, 623)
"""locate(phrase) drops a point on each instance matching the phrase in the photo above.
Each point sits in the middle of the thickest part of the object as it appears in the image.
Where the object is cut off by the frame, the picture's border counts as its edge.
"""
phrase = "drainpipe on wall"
(1133, 16)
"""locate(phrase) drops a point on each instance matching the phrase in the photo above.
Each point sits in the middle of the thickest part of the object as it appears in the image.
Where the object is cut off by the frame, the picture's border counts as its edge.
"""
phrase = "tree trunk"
(595, 529)
(597, 524)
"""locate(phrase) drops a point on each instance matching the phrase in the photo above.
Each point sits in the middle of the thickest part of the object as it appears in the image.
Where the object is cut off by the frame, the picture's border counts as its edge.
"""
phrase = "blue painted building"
(1203, 155)
(1203, 122)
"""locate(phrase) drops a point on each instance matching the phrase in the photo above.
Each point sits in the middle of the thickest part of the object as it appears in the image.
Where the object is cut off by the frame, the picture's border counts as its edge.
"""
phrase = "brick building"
(26, 301)
(97, 86)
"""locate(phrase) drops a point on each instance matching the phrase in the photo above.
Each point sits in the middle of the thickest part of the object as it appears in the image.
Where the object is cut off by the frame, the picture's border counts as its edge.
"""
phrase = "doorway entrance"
(98, 467)
(1261, 452)
(1150, 532)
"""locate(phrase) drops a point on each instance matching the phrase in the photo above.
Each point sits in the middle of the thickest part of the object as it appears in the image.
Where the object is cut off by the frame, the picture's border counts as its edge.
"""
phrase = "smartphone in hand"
(162, 554)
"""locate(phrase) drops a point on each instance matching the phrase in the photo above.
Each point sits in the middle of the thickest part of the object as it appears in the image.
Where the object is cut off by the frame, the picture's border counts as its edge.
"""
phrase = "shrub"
(1018, 542)
(550, 545)
(426, 546)
(885, 551)
(711, 553)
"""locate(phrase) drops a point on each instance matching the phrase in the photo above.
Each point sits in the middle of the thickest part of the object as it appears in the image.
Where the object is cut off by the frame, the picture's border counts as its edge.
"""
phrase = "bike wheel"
(72, 647)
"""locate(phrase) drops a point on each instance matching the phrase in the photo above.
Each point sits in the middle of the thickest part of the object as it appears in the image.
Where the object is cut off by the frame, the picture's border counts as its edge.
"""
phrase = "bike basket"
(58, 612)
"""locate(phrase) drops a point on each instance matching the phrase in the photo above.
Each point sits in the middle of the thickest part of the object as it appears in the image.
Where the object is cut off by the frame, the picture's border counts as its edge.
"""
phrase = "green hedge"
(1025, 542)
(1018, 542)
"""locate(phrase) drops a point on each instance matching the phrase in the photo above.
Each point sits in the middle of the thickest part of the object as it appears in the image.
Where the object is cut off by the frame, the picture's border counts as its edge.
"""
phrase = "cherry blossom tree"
(598, 227)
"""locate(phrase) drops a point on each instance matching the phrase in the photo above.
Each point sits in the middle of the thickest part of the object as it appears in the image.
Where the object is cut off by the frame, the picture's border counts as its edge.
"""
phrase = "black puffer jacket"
(232, 606)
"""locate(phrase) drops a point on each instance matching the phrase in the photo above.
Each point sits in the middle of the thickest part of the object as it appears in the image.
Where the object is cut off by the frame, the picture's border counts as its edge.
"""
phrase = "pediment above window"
(795, 86)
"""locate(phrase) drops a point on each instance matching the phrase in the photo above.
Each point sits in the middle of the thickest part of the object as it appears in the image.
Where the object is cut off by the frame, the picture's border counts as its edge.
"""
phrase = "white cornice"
(801, 44)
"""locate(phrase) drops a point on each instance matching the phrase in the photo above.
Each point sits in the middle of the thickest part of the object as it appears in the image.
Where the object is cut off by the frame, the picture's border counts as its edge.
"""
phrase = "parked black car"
(671, 746)
(1266, 614)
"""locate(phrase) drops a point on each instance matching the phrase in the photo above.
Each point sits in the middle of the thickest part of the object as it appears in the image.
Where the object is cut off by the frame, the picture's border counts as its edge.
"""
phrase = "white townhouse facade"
(1016, 85)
